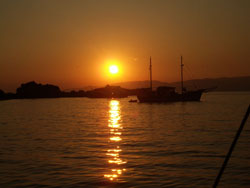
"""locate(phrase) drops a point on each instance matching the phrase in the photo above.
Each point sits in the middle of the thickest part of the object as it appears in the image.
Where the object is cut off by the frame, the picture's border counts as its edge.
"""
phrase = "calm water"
(80, 142)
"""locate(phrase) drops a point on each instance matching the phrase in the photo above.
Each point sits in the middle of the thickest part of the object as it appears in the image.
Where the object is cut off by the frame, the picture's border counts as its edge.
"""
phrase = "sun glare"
(113, 69)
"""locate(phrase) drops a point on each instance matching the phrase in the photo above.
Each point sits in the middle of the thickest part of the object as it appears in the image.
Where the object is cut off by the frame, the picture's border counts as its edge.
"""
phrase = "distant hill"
(222, 84)
(140, 84)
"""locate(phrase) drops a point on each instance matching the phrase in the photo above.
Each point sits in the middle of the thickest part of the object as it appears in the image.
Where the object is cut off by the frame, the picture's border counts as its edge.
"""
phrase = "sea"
(82, 142)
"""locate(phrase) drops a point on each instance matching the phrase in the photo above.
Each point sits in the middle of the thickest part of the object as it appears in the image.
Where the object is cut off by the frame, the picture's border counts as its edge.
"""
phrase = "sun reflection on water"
(114, 161)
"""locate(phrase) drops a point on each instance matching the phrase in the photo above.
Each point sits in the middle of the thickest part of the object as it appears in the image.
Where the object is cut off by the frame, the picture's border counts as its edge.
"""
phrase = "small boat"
(132, 100)
(168, 94)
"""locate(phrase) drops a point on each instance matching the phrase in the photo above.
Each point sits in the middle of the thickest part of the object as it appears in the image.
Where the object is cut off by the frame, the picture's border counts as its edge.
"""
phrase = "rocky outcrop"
(34, 90)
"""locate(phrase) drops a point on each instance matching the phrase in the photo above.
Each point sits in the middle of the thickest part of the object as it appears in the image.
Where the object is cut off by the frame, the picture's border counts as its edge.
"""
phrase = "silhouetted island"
(6, 96)
(2, 94)
(33, 90)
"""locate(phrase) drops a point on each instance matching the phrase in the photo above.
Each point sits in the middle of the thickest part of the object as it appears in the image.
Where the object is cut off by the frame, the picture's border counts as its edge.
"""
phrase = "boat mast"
(150, 69)
(181, 76)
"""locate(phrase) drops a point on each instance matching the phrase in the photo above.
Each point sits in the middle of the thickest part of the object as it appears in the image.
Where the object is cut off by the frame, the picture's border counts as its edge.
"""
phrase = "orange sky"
(67, 43)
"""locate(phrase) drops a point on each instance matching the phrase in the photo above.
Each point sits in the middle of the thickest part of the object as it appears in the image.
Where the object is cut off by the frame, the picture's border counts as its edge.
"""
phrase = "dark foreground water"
(80, 142)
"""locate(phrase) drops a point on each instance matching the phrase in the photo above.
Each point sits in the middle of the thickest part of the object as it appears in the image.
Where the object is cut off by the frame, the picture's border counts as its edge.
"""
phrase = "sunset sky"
(72, 43)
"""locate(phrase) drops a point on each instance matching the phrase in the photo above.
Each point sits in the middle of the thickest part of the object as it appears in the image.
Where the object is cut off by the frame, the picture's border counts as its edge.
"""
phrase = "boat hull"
(187, 96)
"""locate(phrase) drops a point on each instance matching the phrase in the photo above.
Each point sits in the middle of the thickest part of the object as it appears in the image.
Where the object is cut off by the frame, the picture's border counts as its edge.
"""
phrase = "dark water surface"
(80, 142)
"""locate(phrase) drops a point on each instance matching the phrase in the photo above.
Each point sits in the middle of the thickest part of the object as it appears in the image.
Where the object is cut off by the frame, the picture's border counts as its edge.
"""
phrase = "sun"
(113, 69)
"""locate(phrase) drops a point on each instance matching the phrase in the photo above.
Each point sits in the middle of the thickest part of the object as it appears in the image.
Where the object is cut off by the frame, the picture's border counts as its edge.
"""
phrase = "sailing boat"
(168, 94)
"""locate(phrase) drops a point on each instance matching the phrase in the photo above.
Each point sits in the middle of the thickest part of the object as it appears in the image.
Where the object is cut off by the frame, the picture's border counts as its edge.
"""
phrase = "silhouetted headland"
(6, 96)
(32, 90)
